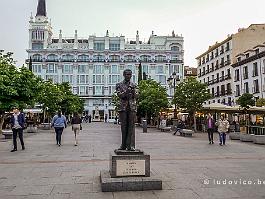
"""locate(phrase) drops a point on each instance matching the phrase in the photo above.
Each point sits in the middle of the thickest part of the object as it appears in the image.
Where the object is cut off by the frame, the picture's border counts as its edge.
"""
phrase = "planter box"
(259, 139)
(246, 137)
(234, 136)
(45, 126)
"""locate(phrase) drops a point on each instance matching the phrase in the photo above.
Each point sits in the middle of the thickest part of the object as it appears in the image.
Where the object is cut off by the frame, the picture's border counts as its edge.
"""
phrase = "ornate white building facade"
(94, 65)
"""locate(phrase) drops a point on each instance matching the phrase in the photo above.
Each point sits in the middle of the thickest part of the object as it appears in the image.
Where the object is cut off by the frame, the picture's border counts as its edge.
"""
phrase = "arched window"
(68, 58)
(52, 57)
(145, 58)
(36, 58)
(175, 48)
(98, 58)
(129, 58)
(83, 58)
(160, 58)
(114, 58)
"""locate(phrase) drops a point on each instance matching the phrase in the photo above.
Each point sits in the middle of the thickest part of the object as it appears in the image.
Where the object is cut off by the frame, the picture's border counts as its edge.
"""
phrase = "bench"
(165, 128)
(7, 133)
(186, 132)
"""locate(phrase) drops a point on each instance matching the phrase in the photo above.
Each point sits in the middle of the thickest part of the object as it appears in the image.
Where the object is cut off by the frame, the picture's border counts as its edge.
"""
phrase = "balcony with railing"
(228, 92)
(222, 78)
(227, 62)
(222, 64)
(216, 80)
(217, 94)
(228, 76)
(216, 66)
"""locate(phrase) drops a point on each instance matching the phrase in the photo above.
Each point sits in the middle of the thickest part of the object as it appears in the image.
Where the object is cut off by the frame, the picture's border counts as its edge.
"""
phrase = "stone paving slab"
(45, 170)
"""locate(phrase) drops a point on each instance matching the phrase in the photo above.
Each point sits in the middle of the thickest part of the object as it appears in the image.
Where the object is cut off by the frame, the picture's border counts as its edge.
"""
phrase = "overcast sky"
(201, 22)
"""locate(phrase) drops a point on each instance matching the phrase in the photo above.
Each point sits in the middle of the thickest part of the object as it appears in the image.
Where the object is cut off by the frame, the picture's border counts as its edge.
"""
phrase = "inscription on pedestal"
(130, 167)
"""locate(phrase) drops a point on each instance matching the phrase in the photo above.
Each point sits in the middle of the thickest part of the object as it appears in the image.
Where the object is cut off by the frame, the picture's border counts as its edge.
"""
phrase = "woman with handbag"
(76, 126)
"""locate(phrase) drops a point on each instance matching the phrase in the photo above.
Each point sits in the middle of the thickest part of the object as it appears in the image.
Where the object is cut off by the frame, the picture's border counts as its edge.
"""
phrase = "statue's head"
(127, 74)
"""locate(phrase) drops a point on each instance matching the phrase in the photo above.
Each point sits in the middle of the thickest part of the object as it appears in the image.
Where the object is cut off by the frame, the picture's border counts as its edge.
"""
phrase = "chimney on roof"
(41, 10)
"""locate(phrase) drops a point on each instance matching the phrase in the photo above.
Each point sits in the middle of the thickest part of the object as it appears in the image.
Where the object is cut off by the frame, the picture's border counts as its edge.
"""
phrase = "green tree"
(50, 97)
(70, 103)
(260, 102)
(152, 98)
(18, 87)
(191, 95)
(246, 100)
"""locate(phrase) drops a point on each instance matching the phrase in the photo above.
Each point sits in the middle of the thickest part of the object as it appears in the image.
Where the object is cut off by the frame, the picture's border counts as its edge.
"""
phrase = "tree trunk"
(195, 125)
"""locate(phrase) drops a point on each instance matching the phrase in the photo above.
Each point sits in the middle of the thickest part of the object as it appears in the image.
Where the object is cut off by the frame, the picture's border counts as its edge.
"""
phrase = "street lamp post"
(172, 81)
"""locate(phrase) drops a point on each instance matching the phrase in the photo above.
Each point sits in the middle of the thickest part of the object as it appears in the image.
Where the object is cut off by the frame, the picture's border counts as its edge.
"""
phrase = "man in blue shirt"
(17, 125)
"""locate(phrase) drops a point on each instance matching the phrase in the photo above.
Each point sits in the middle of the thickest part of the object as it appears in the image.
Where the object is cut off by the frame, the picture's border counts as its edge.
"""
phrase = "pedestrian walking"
(59, 123)
(223, 127)
(17, 124)
(76, 126)
(210, 125)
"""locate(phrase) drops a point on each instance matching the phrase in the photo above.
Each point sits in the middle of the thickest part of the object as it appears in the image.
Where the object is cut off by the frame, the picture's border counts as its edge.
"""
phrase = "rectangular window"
(51, 68)
(255, 69)
(36, 68)
(97, 69)
(98, 90)
(175, 68)
(236, 75)
(245, 72)
(99, 46)
(237, 90)
(114, 79)
(98, 79)
(67, 78)
(159, 69)
(114, 47)
(37, 46)
(161, 79)
(256, 86)
(114, 69)
(145, 69)
(82, 79)
(82, 69)
(67, 68)
(246, 88)
(83, 90)
(112, 89)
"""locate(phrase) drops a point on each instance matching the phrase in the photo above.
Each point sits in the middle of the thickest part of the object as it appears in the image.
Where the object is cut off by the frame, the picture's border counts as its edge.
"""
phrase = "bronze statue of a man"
(126, 91)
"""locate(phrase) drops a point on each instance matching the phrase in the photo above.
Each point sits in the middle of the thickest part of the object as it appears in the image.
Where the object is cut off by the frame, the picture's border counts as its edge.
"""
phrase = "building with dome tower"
(94, 65)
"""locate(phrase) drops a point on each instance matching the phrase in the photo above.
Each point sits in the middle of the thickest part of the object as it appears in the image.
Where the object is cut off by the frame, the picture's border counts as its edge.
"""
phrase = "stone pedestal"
(259, 139)
(129, 171)
(234, 136)
(246, 137)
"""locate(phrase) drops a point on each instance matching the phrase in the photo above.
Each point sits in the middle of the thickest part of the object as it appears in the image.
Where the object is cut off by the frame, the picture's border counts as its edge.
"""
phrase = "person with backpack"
(59, 123)
(76, 125)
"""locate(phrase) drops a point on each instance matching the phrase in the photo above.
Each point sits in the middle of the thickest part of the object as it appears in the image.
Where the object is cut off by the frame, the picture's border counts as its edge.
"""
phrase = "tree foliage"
(115, 101)
(18, 86)
(260, 102)
(191, 95)
(246, 100)
(70, 103)
(152, 98)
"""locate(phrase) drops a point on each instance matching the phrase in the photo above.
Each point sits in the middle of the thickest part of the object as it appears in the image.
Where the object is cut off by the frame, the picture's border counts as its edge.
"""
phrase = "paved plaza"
(189, 167)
